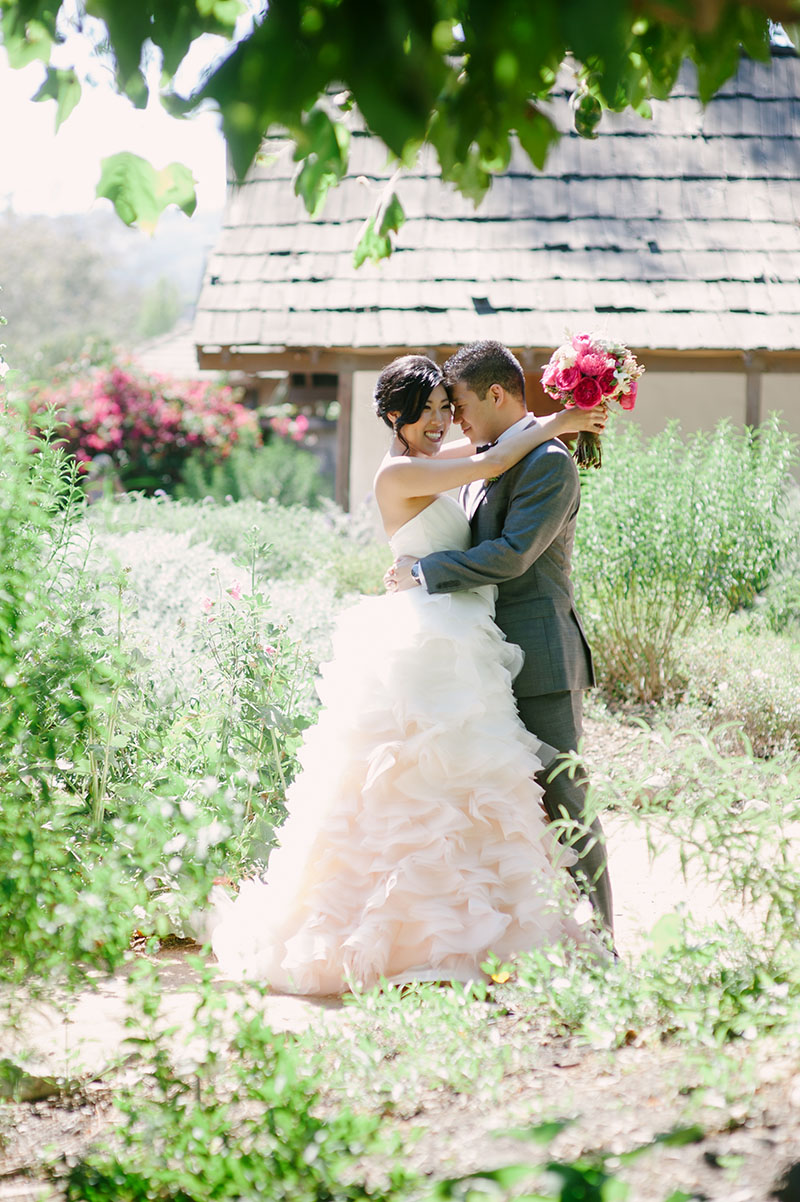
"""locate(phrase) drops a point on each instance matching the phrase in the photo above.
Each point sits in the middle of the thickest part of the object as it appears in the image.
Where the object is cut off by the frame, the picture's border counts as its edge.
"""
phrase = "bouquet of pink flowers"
(588, 371)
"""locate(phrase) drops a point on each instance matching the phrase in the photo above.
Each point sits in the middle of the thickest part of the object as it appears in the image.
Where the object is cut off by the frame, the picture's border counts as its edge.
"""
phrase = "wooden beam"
(344, 425)
(752, 410)
(333, 359)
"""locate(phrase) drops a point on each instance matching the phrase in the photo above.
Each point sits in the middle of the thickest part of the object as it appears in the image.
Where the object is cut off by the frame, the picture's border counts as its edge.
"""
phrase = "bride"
(415, 843)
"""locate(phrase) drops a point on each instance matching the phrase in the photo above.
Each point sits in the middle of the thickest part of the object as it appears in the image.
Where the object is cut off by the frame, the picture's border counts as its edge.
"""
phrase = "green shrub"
(745, 677)
(61, 900)
(279, 471)
(671, 526)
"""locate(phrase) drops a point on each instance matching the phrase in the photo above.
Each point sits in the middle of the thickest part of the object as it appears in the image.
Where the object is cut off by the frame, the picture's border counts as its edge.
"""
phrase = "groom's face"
(474, 414)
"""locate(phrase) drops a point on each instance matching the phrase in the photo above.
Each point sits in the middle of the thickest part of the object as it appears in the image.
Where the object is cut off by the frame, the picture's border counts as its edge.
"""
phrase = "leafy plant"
(279, 471)
(238, 1121)
(56, 670)
(670, 527)
(742, 681)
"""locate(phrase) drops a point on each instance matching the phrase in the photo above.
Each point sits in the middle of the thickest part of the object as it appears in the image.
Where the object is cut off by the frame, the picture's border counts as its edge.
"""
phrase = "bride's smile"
(428, 432)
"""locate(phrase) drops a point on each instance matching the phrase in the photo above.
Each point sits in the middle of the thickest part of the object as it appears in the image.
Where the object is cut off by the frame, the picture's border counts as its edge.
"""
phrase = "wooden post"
(344, 395)
(753, 367)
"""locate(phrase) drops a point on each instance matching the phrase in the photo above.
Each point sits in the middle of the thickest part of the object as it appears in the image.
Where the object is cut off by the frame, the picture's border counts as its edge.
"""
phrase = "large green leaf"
(322, 148)
(140, 193)
(537, 135)
(375, 242)
(65, 88)
(25, 40)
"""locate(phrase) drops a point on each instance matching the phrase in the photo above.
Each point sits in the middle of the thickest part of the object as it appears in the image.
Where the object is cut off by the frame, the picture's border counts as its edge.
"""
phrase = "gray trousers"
(557, 719)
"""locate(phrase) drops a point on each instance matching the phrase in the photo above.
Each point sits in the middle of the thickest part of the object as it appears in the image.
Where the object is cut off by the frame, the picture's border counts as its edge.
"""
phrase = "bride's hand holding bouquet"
(589, 371)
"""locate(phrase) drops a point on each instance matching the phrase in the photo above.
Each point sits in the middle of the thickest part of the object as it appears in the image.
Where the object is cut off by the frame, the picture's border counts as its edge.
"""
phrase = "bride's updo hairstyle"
(403, 388)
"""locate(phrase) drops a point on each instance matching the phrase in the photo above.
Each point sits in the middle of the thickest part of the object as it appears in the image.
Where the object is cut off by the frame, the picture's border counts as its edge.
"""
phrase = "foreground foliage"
(460, 75)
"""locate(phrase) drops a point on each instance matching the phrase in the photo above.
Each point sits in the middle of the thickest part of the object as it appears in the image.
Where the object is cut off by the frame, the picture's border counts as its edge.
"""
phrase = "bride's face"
(427, 433)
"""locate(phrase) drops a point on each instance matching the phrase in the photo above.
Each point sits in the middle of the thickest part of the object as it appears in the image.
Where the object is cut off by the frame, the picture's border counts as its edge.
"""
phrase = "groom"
(523, 528)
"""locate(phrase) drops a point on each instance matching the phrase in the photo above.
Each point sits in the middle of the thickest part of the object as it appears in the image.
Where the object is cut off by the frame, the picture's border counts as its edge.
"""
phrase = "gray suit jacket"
(523, 528)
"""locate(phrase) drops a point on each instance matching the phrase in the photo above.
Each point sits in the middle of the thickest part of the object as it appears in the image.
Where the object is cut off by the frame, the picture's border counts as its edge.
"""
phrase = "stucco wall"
(370, 439)
(698, 399)
(782, 393)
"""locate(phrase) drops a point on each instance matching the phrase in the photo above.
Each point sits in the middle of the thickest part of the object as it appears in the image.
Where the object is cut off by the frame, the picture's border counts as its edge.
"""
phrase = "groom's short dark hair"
(481, 364)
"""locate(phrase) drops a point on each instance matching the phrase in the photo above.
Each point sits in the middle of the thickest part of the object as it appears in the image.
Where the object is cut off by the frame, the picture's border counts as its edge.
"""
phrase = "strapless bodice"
(441, 526)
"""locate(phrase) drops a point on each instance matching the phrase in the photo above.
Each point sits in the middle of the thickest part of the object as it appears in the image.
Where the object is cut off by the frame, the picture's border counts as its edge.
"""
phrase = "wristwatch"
(416, 574)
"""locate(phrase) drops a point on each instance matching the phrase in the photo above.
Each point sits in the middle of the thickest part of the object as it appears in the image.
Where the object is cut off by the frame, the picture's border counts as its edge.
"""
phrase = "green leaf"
(541, 1133)
(323, 146)
(537, 134)
(391, 216)
(371, 245)
(140, 194)
(24, 41)
(63, 87)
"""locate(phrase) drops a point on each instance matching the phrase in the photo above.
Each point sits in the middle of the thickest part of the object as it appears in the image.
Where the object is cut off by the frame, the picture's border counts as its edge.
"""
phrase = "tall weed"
(672, 526)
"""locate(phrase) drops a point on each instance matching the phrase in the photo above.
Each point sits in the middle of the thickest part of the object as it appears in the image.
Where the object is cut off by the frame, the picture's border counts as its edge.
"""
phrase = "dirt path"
(88, 1037)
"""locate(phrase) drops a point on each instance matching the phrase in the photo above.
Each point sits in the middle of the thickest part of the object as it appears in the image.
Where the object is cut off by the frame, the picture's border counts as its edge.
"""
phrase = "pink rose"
(567, 378)
(607, 382)
(549, 373)
(628, 399)
(587, 394)
(581, 342)
(592, 364)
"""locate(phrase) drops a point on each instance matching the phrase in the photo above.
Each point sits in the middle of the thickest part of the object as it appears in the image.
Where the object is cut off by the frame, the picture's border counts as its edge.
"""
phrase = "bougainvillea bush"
(148, 426)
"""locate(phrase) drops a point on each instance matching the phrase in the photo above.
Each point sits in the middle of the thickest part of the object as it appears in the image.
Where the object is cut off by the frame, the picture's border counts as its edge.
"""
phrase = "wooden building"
(680, 236)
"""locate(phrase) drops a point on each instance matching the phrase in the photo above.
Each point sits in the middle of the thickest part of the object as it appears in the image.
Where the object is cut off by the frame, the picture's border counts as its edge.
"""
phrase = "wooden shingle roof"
(680, 233)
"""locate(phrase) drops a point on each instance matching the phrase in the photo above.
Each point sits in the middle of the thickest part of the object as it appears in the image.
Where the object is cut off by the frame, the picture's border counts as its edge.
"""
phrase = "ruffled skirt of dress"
(415, 843)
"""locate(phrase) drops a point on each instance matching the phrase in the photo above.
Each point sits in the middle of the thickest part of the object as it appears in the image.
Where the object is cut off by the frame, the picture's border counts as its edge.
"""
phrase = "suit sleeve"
(542, 499)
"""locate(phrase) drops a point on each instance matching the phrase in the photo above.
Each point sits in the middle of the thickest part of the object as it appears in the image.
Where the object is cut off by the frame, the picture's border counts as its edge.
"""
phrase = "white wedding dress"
(415, 843)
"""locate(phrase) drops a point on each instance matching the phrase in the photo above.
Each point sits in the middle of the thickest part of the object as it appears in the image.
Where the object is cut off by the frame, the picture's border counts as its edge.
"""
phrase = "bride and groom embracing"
(417, 840)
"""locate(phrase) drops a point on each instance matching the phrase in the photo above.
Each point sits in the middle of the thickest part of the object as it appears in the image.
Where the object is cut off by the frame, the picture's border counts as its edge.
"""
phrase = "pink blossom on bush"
(587, 393)
(147, 424)
(235, 591)
(300, 427)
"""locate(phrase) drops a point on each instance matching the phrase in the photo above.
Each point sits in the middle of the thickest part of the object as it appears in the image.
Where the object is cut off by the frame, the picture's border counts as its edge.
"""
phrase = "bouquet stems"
(588, 452)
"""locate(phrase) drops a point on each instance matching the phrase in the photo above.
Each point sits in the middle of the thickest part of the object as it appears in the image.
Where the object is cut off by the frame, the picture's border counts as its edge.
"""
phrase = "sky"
(45, 172)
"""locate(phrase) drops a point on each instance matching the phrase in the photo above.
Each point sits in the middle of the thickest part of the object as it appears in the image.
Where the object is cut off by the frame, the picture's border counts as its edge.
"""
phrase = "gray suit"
(523, 529)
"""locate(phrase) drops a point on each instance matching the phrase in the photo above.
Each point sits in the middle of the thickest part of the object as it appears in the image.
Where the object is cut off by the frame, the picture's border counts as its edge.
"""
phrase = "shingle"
(680, 232)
